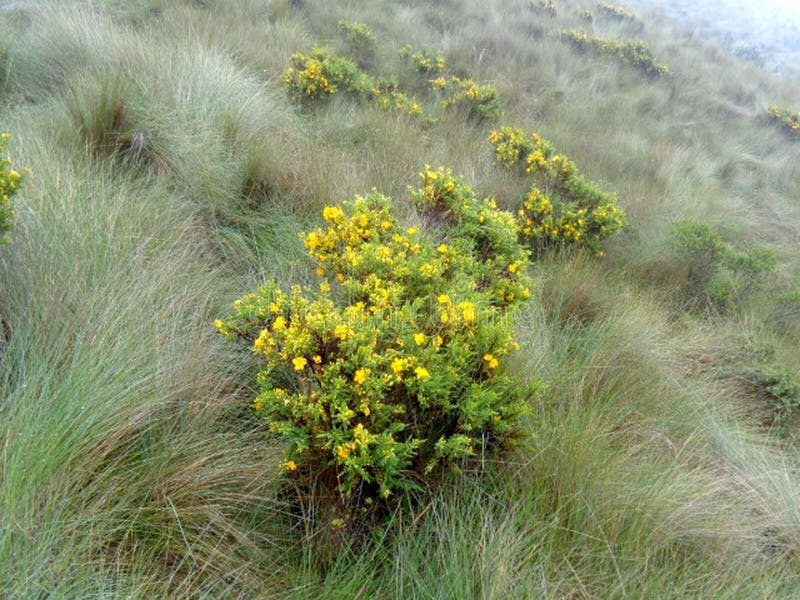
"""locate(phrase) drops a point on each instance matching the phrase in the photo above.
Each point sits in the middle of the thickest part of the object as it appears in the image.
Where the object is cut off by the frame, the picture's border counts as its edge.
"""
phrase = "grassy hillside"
(171, 174)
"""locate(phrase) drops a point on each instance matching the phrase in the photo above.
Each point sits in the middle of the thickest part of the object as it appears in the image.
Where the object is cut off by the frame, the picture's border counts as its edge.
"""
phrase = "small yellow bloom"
(444, 299)
(491, 361)
(320, 271)
(411, 231)
(419, 338)
(398, 365)
(290, 465)
(467, 311)
(324, 287)
(340, 277)
(422, 373)
(360, 376)
(317, 359)
(299, 363)
(342, 452)
(279, 324)
(218, 324)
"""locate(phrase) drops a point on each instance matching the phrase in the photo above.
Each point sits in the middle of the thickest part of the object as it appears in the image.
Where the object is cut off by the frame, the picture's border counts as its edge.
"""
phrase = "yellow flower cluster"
(425, 60)
(358, 35)
(481, 101)
(570, 210)
(321, 74)
(10, 182)
(616, 12)
(636, 53)
(309, 78)
(548, 6)
(788, 120)
(401, 344)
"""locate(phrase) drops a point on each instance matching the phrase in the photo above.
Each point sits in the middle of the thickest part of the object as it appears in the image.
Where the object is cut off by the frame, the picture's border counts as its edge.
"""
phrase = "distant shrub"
(789, 121)
(321, 74)
(587, 16)
(780, 390)
(395, 367)
(482, 102)
(357, 35)
(636, 53)
(561, 207)
(618, 13)
(10, 182)
(716, 271)
(548, 6)
(425, 60)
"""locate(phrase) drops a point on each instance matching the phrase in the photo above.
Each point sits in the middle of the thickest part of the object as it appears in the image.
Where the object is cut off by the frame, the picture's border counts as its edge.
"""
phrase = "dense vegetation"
(629, 429)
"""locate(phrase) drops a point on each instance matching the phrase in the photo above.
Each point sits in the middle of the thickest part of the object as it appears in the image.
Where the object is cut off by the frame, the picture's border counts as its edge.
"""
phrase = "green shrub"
(359, 40)
(358, 35)
(425, 60)
(321, 74)
(717, 272)
(10, 182)
(395, 366)
(789, 121)
(618, 13)
(482, 102)
(635, 53)
(561, 207)
(547, 6)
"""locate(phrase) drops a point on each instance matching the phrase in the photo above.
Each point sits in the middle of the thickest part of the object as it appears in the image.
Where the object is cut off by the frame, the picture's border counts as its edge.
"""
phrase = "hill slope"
(171, 173)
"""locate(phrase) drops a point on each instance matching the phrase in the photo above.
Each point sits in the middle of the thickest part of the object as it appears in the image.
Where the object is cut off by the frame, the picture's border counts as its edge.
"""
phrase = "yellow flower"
(467, 311)
(320, 271)
(360, 376)
(444, 299)
(299, 363)
(398, 365)
(491, 361)
(342, 452)
(218, 324)
(514, 267)
(324, 287)
(419, 338)
(317, 359)
(279, 324)
(290, 465)
(422, 373)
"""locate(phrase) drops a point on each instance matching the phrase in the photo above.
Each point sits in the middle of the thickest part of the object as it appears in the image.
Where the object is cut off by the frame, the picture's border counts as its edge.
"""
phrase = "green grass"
(170, 174)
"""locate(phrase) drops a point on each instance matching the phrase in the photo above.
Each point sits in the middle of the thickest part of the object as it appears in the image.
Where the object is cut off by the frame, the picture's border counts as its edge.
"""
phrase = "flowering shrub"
(618, 13)
(548, 6)
(425, 60)
(321, 74)
(10, 182)
(635, 53)
(561, 207)
(481, 101)
(358, 35)
(789, 121)
(395, 366)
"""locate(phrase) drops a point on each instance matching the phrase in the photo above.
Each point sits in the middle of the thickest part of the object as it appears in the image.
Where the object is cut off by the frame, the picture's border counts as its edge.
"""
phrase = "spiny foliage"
(789, 121)
(321, 74)
(635, 53)
(394, 367)
(561, 207)
(10, 182)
